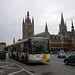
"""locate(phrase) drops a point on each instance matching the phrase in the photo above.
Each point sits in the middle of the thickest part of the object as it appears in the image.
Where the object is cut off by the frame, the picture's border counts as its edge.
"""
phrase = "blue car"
(61, 54)
(70, 59)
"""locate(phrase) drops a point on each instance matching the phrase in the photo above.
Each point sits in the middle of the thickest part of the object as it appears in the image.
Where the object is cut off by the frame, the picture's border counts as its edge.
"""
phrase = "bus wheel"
(22, 58)
(26, 60)
(9, 55)
(14, 57)
(4, 57)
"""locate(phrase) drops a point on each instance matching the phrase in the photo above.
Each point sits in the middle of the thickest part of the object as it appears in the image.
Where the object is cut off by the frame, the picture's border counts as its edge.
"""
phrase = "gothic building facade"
(2, 45)
(63, 40)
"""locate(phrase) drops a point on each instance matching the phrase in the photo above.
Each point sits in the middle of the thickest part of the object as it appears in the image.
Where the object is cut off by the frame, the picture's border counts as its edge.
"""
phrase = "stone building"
(27, 27)
(2, 45)
(63, 40)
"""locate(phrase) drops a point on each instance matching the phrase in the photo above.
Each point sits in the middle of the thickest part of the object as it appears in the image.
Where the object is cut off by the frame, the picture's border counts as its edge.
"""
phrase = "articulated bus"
(30, 50)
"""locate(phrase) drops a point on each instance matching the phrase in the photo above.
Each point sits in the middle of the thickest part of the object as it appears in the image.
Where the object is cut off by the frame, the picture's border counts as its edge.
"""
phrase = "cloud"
(12, 13)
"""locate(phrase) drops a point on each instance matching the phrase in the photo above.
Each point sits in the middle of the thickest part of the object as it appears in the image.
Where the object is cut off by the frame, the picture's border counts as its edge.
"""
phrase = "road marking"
(15, 72)
(7, 65)
(19, 66)
(57, 62)
(4, 62)
(20, 70)
(9, 68)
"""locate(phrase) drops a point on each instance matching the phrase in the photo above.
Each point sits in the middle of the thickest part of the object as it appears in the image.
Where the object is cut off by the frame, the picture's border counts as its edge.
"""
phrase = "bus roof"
(38, 38)
(18, 42)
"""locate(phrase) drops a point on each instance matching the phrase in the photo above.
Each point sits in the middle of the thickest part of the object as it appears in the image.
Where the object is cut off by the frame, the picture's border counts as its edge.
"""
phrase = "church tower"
(46, 29)
(72, 27)
(62, 27)
(27, 27)
(13, 40)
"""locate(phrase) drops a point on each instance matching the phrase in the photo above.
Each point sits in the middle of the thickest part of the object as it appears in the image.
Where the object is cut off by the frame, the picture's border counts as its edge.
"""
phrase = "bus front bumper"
(37, 61)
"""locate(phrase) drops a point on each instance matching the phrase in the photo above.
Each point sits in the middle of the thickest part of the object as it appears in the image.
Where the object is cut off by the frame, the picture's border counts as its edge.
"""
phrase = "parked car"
(70, 59)
(61, 54)
(61, 50)
(2, 54)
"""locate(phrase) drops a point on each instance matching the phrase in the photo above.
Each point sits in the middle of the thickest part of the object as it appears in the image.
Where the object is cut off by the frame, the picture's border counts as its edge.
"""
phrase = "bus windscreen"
(40, 46)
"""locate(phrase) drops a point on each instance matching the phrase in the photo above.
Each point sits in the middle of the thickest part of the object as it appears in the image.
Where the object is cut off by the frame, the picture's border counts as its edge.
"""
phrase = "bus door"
(19, 51)
(26, 52)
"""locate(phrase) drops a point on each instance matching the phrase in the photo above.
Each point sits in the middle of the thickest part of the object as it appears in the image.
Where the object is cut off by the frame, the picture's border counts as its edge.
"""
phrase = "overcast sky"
(12, 13)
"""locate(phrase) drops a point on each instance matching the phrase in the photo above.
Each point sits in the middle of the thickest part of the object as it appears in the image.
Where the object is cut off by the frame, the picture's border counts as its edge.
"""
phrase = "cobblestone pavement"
(7, 68)
(56, 66)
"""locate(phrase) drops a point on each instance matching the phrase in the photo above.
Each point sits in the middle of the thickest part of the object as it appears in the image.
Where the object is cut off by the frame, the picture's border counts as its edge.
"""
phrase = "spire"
(28, 14)
(32, 20)
(62, 19)
(28, 19)
(23, 20)
(13, 40)
(72, 27)
(46, 28)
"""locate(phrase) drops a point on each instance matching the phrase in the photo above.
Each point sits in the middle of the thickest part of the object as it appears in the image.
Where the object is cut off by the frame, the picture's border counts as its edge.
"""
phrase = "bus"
(30, 50)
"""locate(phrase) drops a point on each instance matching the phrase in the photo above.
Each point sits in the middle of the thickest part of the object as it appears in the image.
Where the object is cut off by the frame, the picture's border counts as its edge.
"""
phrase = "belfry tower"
(27, 27)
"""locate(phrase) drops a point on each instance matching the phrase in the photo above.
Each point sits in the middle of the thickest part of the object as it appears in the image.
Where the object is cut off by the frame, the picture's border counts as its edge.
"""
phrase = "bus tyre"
(14, 56)
(22, 59)
(4, 58)
(26, 59)
(9, 55)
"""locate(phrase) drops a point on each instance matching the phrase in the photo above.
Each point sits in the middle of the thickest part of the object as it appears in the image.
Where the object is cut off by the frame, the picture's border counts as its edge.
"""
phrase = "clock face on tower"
(29, 27)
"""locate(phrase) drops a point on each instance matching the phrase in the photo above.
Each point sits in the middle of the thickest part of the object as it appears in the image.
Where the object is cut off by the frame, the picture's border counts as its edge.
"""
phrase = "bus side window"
(26, 48)
(23, 49)
(19, 49)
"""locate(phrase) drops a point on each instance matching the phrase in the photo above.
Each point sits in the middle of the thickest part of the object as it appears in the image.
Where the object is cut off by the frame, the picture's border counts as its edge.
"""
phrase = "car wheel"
(66, 62)
(58, 56)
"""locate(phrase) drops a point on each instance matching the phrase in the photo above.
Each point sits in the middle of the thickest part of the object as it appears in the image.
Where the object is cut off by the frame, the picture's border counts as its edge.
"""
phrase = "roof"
(55, 37)
(40, 35)
(2, 43)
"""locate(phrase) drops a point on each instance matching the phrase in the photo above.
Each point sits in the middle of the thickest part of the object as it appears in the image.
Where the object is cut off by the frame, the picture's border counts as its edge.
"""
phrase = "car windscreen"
(61, 52)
